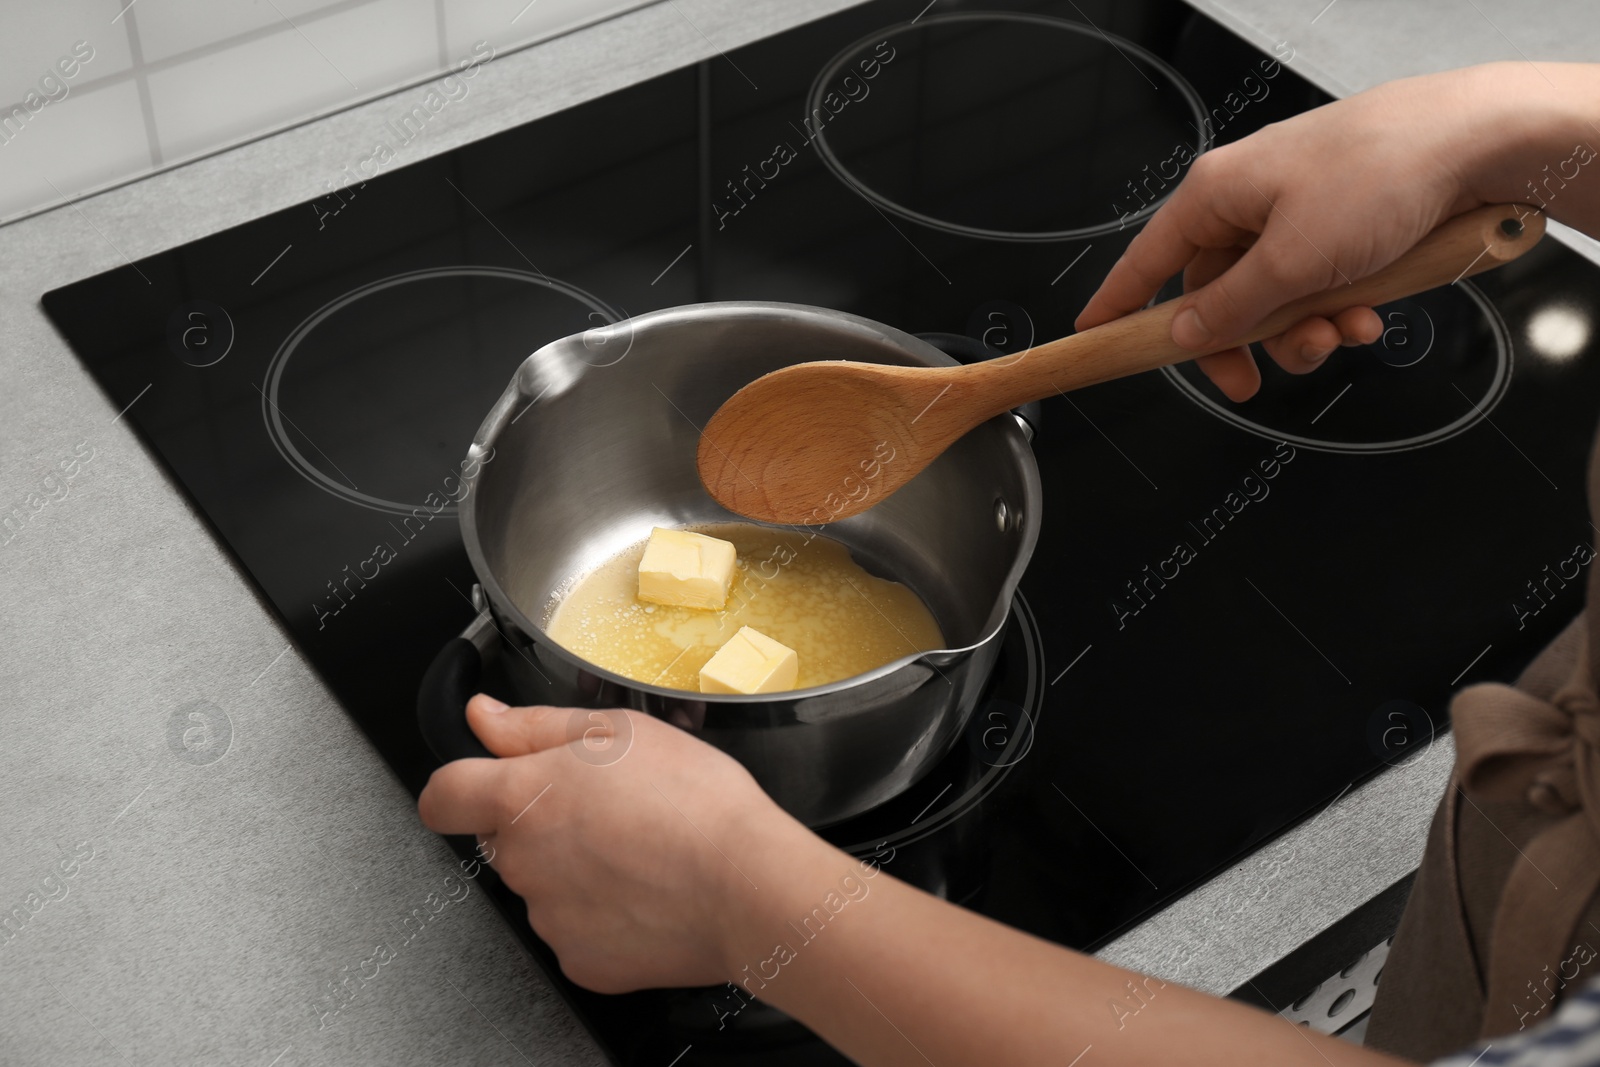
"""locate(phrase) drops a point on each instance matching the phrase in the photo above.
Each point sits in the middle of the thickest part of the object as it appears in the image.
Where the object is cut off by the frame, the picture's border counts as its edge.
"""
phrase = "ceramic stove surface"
(1234, 612)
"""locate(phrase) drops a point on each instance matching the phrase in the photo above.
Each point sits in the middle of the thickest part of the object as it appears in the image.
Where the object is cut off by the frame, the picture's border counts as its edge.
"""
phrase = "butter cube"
(685, 569)
(751, 662)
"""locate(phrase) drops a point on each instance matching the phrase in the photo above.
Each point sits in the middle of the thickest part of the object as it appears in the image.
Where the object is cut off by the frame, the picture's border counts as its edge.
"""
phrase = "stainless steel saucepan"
(593, 443)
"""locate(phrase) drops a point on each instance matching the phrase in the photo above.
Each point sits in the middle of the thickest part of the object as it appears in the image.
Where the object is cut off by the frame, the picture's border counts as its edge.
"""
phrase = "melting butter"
(799, 588)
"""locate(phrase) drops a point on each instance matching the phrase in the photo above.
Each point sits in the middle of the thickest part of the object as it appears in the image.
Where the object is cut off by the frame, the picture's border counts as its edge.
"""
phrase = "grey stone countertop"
(192, 903)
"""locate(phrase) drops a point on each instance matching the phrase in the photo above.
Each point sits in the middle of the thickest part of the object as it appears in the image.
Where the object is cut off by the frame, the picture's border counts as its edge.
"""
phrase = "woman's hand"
(639, 849)
(1319, 200)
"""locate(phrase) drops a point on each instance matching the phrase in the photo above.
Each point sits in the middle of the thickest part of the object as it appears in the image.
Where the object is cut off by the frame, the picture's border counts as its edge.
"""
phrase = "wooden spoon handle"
(1468, 244)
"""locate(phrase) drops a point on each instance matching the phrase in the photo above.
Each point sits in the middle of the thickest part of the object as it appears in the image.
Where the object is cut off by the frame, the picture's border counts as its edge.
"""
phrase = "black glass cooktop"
(1234, 612)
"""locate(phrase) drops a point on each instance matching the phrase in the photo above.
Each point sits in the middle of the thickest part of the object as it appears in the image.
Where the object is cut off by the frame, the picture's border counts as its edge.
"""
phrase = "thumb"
(508, 731)
(1281, 267)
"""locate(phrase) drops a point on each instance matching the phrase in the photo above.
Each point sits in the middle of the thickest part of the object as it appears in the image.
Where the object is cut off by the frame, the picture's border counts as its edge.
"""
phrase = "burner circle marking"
(1481, 407)
(275, 419)
(1017, 742)
(838, 63)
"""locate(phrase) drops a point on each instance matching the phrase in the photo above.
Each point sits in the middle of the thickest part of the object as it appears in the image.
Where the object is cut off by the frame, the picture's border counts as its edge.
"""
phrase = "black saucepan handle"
(451, 681)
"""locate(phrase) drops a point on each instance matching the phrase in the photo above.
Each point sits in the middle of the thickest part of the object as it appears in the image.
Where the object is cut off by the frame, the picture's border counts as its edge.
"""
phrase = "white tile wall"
(274, 79)
(34, 34)
(174, 79)
(378, 44)
(169, 27)
(223, 96)
(88, 139)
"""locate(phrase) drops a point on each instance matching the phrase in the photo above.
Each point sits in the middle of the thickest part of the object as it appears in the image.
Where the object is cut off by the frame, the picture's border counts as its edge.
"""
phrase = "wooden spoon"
(816, 442)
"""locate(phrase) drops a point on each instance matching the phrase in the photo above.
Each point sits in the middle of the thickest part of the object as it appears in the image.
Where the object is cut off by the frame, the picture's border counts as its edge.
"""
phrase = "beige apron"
(1502, 918)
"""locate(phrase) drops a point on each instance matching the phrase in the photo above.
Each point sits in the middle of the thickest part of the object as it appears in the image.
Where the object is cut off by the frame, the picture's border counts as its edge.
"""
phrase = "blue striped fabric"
(1569, 1038)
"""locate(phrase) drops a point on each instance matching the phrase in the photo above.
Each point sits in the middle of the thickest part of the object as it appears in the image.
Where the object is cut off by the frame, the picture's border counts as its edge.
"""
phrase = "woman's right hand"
(1311, 203)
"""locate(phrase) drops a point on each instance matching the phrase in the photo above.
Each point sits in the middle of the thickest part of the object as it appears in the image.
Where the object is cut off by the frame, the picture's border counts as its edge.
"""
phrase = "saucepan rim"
(532, 383)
